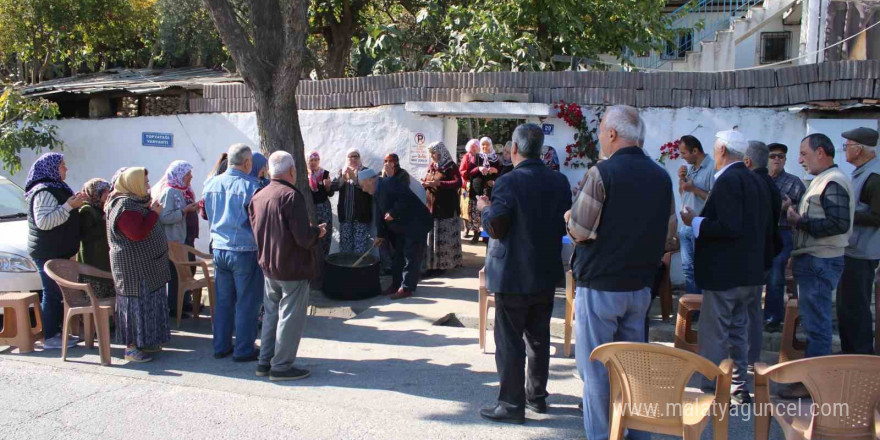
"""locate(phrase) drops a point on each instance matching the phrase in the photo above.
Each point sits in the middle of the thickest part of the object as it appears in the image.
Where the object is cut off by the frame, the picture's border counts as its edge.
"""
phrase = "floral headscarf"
(94, 189)
(173, 178)
(472, 157)
(44, 173)
(491, 156)
(440, 149)
(315, 176)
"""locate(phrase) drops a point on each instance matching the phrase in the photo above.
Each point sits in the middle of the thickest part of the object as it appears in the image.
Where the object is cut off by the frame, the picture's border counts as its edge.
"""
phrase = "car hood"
(15, 237)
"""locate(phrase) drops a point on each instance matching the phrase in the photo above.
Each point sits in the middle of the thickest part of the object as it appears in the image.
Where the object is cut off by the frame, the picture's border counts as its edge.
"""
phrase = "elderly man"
(694, 185)
(756, 160)
(407, 219)
(731, 237)
(791, 189)
(286, 241)
(238, 277)
(863, 252)
(620, 221)
(822, 226)
(523, 265)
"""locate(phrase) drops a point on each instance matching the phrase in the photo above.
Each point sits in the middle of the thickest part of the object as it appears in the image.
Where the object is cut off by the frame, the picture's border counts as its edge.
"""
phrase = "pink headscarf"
(173, 178)
(316, 176)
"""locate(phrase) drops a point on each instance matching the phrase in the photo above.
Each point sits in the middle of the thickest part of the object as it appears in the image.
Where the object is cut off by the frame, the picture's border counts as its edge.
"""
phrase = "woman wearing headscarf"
(53, 223)
(322, 190)
(548, 155)
(139, 262)
(443, 183)
(94, 249)
(179, 215)
(506, 159)
(482, 180)
(468, 169)
(354, 208)
(260, 169)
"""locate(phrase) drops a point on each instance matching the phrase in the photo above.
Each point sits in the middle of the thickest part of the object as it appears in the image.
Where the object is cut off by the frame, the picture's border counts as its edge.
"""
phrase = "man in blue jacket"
(402, 213)
(525, 221)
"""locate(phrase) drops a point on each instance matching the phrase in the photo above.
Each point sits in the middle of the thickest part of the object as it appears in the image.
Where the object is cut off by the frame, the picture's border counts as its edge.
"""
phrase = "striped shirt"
(48, 213)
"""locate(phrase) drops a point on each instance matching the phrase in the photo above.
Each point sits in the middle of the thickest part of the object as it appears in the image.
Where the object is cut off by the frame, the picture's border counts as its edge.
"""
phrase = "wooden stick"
(356, 263)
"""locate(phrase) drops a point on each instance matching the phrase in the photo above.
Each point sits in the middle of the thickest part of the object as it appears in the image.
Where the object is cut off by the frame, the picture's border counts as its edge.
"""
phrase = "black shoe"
(292, 374)
(504, 413)
(223, 354)
(772, 326)
(476, 238)
(262, 370)
(740, 397)
(538, 406)
(249, 358)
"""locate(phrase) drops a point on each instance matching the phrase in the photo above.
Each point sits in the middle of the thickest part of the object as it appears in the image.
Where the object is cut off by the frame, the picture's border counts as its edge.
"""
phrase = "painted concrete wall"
(97, 148)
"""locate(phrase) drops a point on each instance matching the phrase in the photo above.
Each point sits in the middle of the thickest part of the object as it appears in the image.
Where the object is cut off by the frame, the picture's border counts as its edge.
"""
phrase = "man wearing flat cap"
(729, 265)
(821, 224)
(863, 252)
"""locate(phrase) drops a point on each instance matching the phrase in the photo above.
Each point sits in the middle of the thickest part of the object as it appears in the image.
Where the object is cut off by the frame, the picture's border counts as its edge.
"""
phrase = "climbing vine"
(584, 151)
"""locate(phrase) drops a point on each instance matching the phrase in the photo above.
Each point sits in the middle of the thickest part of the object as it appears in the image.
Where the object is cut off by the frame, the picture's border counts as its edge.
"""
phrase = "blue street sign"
(164, 140)
(548, 129)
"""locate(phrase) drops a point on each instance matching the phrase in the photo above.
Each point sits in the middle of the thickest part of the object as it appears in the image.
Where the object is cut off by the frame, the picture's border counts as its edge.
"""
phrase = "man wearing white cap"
(729, 263)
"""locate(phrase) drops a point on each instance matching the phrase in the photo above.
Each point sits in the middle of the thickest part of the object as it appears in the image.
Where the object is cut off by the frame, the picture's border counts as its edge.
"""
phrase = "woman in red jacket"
(468, 169)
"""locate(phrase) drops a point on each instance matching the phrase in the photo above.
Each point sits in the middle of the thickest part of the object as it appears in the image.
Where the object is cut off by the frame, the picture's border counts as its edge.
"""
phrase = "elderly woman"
(53, 221)
(321, 186)
(179, 214)
(548, 155)
(482, 180)
(139, 262)
(468, 170)
(442, 183)
(354, 208)
(260, 169)
(94, 249)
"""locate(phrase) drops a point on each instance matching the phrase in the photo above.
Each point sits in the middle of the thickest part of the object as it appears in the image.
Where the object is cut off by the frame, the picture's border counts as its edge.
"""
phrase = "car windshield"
(12, 203)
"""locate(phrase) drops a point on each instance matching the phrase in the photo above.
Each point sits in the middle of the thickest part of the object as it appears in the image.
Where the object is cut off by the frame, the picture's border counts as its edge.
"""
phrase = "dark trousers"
(854, 306)
(522, 329)
(406, 264)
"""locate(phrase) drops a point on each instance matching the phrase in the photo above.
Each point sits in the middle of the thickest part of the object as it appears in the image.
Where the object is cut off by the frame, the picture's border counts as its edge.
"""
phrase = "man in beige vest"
(822, 224)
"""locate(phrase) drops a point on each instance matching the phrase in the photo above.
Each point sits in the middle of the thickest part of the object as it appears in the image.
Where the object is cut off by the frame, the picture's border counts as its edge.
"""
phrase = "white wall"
(97, 148)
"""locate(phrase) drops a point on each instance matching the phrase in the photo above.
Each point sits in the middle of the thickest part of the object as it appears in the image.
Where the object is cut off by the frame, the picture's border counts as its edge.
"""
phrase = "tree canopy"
(44, 39)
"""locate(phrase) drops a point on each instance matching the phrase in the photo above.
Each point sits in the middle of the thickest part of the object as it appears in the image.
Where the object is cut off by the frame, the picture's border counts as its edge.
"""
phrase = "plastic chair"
(648, 390)
(80, 300)
(486, 300)
(569, 312)
(685, 337)
(845, 391)
(791, 348)
(17, 330)
(186, 281)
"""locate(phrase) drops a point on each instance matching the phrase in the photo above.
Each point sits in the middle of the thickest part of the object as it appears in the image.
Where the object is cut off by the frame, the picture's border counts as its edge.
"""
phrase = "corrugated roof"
(136, 81)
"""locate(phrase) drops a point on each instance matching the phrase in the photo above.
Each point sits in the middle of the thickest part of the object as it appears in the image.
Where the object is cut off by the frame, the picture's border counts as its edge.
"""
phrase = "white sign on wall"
(418, 153)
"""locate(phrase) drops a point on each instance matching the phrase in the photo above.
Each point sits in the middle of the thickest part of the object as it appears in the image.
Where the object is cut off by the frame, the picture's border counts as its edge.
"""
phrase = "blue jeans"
(239, 283)
(51, 305)
(774, 300)
(602, 317)
(687, 239)
(816, 278)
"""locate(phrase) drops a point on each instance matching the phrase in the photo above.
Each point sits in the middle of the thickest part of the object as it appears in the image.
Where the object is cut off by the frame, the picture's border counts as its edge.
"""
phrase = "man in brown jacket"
(286, 242)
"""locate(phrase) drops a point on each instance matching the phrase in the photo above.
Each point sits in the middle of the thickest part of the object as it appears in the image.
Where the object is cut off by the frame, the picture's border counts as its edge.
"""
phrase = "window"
(774, 46)
(679, 48)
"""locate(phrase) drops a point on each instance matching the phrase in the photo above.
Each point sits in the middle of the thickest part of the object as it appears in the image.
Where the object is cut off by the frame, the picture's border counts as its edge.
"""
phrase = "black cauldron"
(344, 282)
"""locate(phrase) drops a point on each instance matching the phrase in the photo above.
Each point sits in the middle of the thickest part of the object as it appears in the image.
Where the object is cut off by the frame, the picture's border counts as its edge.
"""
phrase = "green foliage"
(23, 126)
(186, 35)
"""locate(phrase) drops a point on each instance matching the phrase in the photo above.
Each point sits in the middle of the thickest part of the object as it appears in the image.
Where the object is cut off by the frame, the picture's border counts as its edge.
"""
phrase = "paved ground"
(388, 373)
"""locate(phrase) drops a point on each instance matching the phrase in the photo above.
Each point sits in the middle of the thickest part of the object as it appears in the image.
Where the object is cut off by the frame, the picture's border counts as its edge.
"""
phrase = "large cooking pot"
(344, 282)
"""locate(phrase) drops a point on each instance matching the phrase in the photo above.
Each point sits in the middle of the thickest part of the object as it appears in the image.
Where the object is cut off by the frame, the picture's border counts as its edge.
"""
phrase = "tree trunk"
(338, 50)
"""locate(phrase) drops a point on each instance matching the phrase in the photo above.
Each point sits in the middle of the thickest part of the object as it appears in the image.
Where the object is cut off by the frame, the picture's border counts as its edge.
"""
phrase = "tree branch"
(236, 39)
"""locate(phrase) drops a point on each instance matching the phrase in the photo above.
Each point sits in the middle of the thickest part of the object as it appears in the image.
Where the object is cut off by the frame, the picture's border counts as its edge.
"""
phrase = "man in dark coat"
(406, 216)
(730, 258)
(525, 221)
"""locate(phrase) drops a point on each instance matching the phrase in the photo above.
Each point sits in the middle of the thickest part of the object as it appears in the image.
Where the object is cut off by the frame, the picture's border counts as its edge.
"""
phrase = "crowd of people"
(744, 221)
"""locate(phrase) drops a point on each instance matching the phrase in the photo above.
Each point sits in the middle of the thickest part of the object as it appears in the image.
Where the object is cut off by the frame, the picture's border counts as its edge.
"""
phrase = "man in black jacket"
(401, 212)
(525, 221)
(730, 259)
(757, 158)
